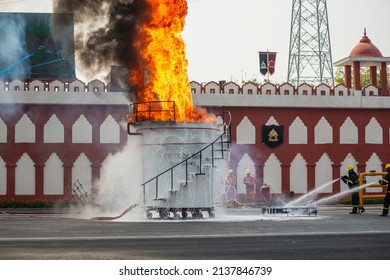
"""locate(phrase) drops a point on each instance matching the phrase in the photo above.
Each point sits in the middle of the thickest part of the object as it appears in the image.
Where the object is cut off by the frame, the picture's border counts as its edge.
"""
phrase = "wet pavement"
(243, 233)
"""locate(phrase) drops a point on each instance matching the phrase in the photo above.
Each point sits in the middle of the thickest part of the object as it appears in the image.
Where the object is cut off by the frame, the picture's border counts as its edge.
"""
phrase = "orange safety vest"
(249, 180)
(230, 179)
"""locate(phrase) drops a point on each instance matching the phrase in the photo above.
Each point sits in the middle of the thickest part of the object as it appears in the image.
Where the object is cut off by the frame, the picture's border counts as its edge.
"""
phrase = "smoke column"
(105, 30)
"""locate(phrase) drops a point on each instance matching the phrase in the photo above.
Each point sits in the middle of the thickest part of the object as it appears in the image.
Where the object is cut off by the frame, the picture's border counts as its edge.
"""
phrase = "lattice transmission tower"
(310, 55)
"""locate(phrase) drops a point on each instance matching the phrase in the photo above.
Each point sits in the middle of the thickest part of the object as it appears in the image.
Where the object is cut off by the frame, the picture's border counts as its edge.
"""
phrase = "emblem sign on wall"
(272, 135)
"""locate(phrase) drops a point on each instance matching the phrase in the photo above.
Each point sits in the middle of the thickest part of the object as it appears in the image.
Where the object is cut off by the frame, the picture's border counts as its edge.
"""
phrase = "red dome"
(365, 48)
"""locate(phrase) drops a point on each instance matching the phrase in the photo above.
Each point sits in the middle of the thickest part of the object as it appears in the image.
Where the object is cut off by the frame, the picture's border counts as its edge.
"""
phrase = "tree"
(364, 77)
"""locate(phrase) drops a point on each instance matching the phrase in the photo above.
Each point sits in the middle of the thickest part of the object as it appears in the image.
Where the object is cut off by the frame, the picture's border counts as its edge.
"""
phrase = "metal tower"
(310, 56)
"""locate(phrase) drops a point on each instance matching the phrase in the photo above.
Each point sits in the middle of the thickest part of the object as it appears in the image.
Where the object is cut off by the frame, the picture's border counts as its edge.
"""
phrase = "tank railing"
(197, 156)
(153, 111)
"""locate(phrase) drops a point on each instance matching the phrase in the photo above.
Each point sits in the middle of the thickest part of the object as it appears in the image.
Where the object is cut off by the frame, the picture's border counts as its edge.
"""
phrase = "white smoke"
(12, 34)
(120, 182)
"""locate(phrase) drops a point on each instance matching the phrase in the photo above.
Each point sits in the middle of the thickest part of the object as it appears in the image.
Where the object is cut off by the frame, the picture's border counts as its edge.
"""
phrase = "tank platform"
(178, 213)
(290, 211)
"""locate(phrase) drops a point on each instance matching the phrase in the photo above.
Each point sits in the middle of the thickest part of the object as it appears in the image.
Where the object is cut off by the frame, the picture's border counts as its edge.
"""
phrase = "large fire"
(164, 74)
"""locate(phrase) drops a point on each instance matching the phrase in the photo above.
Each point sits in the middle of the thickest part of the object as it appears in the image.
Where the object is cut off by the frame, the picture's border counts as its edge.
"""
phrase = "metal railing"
(80, 192)
(153, 111)
(221, 141)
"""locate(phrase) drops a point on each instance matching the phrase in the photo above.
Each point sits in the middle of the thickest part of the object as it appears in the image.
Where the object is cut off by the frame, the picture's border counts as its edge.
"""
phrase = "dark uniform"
(352, 180)
(385, 182)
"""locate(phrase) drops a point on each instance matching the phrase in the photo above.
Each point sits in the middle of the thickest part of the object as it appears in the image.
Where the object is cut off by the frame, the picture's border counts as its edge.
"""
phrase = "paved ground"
(233, 234)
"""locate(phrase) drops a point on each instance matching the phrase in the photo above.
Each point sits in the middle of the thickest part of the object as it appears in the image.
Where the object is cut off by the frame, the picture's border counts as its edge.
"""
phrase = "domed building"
(365, 54)
(320, 129)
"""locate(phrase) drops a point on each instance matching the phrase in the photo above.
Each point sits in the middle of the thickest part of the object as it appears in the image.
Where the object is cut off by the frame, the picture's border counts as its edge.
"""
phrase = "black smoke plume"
(97, 49)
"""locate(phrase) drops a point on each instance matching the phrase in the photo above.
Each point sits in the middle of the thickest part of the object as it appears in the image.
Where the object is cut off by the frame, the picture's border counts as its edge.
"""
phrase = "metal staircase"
(171, 190)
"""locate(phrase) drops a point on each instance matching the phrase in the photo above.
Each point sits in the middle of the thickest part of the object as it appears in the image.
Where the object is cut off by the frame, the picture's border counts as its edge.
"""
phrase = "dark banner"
(263, 56)
(272, 135)
(267, 62)
(271, 62)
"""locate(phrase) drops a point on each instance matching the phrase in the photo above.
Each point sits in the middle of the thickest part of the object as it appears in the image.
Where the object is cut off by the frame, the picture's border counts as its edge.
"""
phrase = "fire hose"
(127, 210)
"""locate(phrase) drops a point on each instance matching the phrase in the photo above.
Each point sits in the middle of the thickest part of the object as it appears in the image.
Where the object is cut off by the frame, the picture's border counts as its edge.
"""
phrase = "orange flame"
(164, 77)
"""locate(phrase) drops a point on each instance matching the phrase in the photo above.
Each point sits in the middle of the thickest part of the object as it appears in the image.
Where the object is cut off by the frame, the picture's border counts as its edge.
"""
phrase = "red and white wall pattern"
(52, 133)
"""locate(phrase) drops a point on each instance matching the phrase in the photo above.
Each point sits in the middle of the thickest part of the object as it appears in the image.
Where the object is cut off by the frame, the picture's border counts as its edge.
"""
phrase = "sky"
(223, 37)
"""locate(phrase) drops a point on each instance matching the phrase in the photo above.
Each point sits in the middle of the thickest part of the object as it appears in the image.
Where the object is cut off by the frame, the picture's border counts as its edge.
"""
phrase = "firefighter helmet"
(350, 167)
(247, 171)
(387, 166)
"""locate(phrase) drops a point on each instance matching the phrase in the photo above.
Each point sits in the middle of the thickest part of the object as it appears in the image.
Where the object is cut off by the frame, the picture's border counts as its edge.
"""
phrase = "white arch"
(373, 132)
(109, 131)
(82, 171)
(3, 177)
(246, 162)
(297, 132)
(324, 173)
(348, 160)
(3, 131)
(53, 178)
(25, 130)
(272, 121)
(25, 176)
(373, 163)
(348, 132)
(273, 173)
(53, 131)
(246, 132)
(82, 131)
(298, 175)
(323, 132)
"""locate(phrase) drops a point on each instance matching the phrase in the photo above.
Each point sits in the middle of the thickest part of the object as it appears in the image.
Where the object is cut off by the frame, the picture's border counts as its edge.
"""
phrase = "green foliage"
(36, 204)
(364, 77)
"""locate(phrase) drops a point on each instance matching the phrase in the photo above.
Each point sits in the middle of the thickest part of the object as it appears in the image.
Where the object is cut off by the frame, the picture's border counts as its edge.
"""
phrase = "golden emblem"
(273, 136)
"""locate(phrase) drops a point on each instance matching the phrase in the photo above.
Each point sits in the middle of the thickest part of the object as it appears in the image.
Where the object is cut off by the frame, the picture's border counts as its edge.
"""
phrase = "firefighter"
(266, 193)
(230, 186)
(249, 182)
(385, 182)
(230, 179)
(352, 180)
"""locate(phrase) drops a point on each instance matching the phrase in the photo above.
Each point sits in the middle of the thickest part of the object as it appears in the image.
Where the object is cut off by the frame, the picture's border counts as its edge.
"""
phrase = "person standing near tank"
(385, 181)
(249, 182)
(230, 186)
(352, 180)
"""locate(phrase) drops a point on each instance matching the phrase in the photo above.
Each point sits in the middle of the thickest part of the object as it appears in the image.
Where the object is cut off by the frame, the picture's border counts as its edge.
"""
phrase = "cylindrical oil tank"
(170, 144)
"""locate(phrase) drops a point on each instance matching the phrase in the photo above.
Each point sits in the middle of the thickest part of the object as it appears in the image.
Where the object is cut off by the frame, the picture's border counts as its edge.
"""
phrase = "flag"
(267, 62)
(271, 62)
